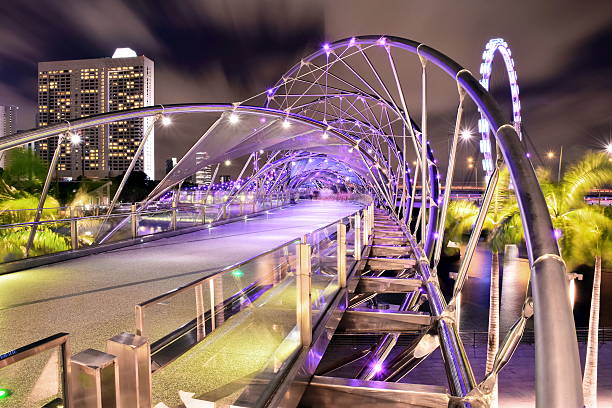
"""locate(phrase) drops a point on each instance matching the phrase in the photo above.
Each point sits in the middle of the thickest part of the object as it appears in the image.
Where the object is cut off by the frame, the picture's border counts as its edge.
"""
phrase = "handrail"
(37, 347)
(199, 281)
(139, 308)
(40, 346)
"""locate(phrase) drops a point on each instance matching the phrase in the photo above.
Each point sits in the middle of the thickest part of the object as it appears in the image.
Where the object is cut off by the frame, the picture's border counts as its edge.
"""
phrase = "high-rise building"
(77, 88)
(8, 119)
(203, 176)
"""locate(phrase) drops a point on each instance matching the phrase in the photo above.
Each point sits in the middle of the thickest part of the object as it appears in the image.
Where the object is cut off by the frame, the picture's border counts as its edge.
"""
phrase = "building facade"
(8, 121)
(204, 176)
(78, 88)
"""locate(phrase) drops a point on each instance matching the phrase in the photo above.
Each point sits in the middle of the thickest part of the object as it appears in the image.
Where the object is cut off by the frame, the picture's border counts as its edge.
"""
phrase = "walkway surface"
(93, 297)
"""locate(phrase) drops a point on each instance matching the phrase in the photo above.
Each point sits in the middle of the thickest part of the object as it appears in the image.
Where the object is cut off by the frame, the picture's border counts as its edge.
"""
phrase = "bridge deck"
(93, 297)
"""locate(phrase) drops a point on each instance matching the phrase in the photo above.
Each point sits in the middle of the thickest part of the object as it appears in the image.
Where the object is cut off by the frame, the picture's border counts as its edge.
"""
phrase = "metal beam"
(383, 321)
(323, 392)
(388, 285)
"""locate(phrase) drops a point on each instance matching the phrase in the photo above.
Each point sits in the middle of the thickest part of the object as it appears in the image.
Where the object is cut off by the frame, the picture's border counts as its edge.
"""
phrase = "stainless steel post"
(304, 308)
(341, 242)
(74, 232)
(133, 360)
(173, 215)
(357, 251)
(139, 312)
(203, 213)
(134, 221)
(94, 380)
(365, 228)
(200, 312)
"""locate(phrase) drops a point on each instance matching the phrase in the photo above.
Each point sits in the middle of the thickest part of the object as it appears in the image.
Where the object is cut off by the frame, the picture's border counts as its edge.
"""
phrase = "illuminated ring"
(497, 44)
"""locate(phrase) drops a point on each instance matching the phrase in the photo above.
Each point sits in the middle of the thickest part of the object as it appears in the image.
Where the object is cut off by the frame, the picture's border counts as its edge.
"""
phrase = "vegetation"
(584, 239)
(20, 185)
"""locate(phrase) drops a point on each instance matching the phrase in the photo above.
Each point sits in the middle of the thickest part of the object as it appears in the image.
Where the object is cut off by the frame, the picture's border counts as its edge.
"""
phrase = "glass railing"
(230, 337)
(35, 375)
(246, 314)
(64, 228)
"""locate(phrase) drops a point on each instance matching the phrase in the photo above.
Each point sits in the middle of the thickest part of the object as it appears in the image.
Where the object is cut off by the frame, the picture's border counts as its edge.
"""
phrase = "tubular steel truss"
(343, 116)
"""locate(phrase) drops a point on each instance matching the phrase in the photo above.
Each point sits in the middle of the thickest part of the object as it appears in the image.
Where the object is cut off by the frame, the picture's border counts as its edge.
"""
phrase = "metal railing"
(475, 338)
(298, 278)
(25, 391)
(71, 232)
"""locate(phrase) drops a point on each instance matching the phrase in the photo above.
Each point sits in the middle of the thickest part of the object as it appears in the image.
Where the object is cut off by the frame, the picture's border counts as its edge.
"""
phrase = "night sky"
(227, 50)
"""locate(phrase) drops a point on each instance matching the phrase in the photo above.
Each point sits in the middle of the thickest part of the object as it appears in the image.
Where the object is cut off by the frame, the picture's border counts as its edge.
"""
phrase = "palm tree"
(584, 236)
(503, 226)
(592, 235)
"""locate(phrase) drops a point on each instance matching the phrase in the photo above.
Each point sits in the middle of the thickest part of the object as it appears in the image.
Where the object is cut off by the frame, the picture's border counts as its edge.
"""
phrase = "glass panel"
(324, 268)
(187, 216)
(119, 221)
(33, 382)
(246, 351)
(152, 222)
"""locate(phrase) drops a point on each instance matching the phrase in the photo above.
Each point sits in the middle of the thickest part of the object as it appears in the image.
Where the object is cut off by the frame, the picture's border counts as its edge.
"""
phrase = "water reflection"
(514, 280)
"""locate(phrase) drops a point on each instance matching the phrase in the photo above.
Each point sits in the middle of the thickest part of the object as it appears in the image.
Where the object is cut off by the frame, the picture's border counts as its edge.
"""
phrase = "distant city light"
(550, 155)
(470, 159)
(75, 138)
(261, 151)
(227, 162)
(166, 120)
(470, 166)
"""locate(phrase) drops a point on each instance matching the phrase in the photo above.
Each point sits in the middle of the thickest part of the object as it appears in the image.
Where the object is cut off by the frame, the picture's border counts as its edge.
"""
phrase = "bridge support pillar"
(173, 216)
(304, 305)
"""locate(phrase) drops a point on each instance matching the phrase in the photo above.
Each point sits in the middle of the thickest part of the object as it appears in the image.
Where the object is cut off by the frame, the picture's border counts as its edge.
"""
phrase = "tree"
(584, 237)
(503, 226)
(592, 239)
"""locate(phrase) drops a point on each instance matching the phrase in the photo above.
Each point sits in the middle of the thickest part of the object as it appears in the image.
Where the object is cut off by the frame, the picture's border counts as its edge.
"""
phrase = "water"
(514, 278)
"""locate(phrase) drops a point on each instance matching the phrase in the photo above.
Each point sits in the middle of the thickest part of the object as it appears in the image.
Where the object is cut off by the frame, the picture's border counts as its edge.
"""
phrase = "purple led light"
(528, 155)
(378, 368)
(557, 233)
(326, 47)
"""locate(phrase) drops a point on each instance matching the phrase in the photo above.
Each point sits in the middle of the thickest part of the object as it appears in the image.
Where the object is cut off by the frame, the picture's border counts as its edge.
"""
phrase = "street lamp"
(77, 140)
(550, 155)
(609, 148)
(466, 135)
(166, 120)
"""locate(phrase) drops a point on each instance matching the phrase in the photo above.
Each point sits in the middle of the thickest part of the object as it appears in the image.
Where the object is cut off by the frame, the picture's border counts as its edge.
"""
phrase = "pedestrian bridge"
(231, 294)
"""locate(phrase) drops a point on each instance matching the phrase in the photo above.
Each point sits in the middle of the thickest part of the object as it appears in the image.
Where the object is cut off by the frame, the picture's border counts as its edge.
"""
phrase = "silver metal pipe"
(449, 179)
(45, 191)
(475, 236)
